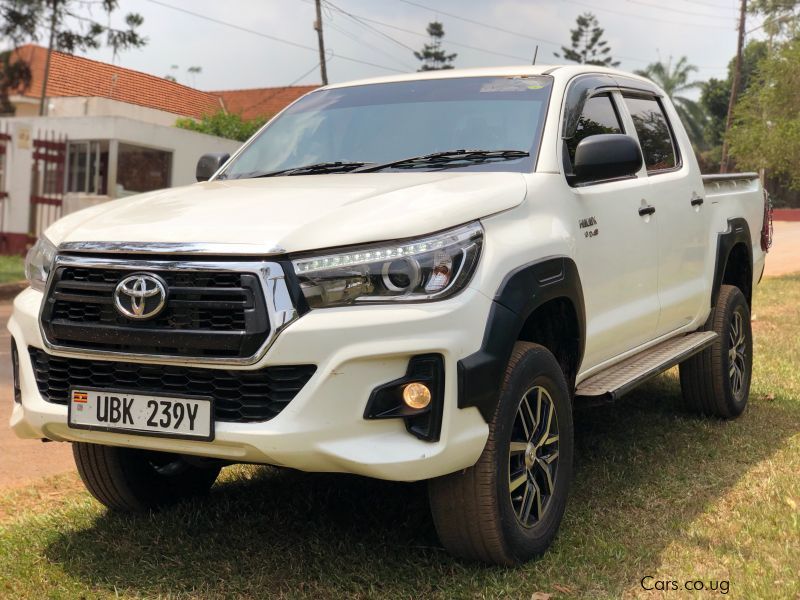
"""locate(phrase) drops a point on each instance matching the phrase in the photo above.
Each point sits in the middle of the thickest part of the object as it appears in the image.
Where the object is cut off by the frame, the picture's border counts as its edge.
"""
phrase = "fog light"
(416, 395)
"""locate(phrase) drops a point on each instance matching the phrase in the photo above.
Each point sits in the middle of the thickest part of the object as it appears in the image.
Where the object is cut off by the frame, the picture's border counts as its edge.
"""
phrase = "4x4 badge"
(140, 296)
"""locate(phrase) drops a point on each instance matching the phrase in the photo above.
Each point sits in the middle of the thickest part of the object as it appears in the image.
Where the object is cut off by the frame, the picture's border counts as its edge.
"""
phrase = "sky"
(245, 51)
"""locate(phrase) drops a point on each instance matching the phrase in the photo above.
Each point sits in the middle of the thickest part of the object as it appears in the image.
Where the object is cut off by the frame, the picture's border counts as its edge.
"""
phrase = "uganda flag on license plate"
(80, 397)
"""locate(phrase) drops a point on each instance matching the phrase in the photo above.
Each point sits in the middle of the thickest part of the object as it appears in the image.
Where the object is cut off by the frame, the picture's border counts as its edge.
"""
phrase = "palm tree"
(675, 81)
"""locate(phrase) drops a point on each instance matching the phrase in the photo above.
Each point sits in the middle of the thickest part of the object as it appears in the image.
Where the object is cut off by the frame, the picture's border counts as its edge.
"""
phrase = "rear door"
(675, 190)
(616, 247)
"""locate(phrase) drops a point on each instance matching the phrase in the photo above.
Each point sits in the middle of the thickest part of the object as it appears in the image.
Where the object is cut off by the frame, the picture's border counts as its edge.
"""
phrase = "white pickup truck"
(409, 278)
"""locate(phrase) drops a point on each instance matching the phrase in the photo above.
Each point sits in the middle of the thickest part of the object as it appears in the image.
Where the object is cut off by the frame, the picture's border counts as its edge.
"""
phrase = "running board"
(622, 377)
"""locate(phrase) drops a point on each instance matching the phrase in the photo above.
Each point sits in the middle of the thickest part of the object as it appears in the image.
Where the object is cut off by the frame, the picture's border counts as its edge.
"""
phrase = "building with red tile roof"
(77, 77)
(261, 102)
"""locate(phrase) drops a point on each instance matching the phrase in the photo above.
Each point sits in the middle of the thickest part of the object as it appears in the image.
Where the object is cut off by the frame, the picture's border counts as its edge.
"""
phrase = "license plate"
(142, 414)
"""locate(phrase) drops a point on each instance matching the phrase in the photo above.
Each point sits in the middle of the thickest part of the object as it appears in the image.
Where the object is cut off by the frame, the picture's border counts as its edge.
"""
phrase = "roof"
(564, 71)
(72, 75)
(261, 102)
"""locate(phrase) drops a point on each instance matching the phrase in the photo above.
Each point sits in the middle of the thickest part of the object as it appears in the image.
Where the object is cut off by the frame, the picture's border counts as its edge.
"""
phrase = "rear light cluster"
(766, 228)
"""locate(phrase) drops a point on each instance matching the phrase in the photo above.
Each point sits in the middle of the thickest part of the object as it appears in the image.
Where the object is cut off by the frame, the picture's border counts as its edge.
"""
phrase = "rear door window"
(655, 134)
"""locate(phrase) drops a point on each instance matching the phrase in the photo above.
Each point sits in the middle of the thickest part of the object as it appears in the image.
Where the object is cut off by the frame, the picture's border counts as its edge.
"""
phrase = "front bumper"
(322, 429)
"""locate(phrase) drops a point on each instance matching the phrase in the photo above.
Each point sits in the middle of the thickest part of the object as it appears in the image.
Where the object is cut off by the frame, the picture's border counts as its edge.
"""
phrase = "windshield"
(382, 123)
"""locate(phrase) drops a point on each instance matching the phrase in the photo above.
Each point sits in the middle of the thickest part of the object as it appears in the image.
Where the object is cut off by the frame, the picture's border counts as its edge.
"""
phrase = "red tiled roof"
(261, 102)
(77, 76)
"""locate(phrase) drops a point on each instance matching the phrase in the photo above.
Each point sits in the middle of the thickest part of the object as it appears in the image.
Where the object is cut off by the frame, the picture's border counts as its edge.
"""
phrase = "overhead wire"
(268, 36)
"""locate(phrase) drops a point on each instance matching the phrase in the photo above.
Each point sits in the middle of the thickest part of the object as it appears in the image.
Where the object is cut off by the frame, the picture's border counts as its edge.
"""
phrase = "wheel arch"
(540, 302)
(734, 263)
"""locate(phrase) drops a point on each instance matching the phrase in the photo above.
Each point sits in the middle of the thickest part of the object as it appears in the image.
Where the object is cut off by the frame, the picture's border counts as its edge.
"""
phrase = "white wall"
(106, 107)
(186, 147)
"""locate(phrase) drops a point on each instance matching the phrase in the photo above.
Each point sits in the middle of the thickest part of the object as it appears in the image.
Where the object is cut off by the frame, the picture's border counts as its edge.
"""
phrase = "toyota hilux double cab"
(409, 278)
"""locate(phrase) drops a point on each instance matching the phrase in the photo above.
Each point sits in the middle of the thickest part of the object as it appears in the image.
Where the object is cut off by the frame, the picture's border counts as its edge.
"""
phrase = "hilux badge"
(140, 296)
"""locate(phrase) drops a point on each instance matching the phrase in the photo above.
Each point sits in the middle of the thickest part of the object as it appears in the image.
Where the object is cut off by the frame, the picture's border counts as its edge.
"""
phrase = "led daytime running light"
(379, 254)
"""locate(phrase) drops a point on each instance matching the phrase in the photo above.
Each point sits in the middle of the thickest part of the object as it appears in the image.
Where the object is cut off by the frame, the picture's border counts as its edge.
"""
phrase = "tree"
(766, 129)
(675, 81)
(715, 93)
(588, 47)
(70, 27)
(781, 17)
(223, 124)
(432, 56)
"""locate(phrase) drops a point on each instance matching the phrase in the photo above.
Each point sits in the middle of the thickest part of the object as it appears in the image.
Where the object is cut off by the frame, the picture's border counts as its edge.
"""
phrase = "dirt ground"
(784, 257)
(23, 461)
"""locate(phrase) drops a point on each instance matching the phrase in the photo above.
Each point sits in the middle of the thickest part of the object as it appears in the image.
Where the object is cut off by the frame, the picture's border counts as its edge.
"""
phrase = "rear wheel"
(716, 382)
(506, 509)
(131, 480)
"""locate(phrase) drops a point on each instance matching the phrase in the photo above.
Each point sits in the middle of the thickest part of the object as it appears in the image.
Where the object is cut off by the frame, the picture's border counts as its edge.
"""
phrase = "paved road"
(22, 461)
(784, 257)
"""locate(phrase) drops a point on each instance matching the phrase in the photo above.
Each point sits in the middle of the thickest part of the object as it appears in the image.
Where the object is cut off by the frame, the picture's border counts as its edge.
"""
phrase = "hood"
(297, 213)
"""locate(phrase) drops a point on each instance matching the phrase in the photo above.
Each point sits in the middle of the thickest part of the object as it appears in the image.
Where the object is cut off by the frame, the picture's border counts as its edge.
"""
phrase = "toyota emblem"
(140, 296)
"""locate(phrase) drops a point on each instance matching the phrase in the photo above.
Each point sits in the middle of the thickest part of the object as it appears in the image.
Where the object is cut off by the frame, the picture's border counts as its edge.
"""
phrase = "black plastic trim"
(583, 87)
(480, 375)
(738, 232)
(386, 401)
(15, 371)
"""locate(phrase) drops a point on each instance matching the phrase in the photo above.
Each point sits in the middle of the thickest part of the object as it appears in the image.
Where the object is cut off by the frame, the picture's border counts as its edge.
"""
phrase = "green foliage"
(432, 56)
(588, 45)
(222, 124)
(715, 96)
(781, 17)
(766, 130)
(74, 28)
(674, 80)
(12, 268)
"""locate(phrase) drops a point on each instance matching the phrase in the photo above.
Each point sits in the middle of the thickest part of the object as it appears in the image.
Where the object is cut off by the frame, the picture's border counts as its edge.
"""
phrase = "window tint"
(598, 117)
(655, 137)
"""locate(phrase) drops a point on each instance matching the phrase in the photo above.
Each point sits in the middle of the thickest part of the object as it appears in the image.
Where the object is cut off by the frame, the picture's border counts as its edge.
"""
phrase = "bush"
(222, 124)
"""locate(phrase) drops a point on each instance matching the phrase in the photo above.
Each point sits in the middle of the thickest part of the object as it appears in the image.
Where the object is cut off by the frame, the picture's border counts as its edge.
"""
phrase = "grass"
(12, 268)
(657, 492)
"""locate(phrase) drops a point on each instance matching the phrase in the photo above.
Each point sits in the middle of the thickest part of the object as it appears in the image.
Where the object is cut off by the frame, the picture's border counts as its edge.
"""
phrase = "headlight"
(38, 263)
(429, 268)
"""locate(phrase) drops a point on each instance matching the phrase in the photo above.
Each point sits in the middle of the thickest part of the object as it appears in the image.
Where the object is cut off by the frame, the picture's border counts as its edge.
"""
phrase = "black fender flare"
(738, 232)
(480, 375)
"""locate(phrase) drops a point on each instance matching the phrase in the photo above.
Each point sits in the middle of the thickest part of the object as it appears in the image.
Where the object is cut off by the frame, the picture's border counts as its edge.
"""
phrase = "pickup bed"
(409, 278)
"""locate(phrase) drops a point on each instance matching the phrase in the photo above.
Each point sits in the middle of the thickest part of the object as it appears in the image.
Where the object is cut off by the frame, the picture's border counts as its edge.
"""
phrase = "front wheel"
(506, 509)
(131, 480)
(716, 382)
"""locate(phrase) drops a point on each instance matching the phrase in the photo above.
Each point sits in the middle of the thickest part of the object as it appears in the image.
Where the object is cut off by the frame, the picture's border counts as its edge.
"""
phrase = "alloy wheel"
(533, 456)
(737, 354)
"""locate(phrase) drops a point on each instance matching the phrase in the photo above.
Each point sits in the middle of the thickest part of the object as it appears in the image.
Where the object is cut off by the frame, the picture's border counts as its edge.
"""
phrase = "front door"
(616, 250)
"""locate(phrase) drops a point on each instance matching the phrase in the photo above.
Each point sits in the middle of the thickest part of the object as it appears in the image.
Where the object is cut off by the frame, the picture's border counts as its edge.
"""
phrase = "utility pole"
(737, 75)
(318, 26)
(43, 99)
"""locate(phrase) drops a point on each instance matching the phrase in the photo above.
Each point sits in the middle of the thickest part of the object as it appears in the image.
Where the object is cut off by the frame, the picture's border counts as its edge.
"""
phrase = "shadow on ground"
(644, 472)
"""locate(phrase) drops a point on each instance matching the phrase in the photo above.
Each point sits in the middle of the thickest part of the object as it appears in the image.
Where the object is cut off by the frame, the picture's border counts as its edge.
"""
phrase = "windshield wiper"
(314, 169)
(445, 158)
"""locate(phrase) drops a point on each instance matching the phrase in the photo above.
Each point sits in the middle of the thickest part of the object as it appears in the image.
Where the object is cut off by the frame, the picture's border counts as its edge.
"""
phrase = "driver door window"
(599, 116)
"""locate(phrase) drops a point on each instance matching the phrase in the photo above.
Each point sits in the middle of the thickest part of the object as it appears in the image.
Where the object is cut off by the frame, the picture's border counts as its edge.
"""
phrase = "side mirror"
(210, 164)
(606, 156)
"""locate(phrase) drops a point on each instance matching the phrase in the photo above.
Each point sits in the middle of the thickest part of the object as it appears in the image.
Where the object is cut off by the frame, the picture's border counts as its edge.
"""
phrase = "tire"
(716, 382)
(130, 480)
(477, 514)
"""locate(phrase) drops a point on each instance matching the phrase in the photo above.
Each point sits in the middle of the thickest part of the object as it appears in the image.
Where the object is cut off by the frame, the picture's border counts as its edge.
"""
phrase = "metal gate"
(47, 184)
(5, 142)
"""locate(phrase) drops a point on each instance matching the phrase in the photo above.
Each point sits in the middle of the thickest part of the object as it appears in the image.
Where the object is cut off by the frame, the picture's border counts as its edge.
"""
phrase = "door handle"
(646, 210)
(697, 201)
